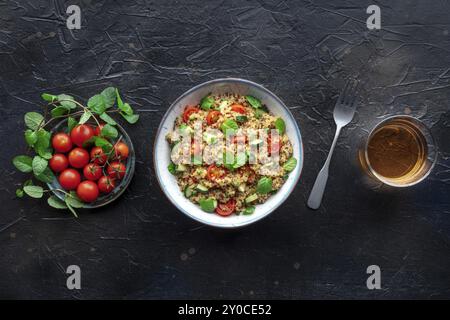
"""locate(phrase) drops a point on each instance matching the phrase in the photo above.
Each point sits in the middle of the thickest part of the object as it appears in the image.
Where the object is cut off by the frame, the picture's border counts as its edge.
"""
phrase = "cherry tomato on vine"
(81, 133)
(98, 156)
(58, 162)
(92, 171)
(87, 191)
(116, 170)
(69, 179)
(225, 209)
(61, 142)
(78, 158)
(121, 151)
(106, 184)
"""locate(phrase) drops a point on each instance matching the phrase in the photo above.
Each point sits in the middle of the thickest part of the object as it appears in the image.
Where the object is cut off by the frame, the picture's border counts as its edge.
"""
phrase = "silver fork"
(343, 114)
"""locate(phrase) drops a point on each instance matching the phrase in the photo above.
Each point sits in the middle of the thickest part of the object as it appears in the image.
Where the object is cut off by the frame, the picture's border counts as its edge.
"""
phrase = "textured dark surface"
(140, 246)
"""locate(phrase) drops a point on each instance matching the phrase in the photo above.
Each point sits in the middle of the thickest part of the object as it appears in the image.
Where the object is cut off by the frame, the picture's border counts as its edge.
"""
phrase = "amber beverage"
(400, 151)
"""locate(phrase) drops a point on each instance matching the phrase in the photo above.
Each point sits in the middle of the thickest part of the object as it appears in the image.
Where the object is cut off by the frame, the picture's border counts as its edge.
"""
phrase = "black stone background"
(141, 246)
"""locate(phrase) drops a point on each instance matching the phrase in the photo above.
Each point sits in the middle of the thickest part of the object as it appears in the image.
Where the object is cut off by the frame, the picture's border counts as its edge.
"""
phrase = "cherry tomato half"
(106, 184)
(61, 142)
(98, 156)
(69, 179)
(121, 151)
(188, 111)
(87, 191)
(116, 170)
(78, 157)
(225, 209)
(58, 162)
(238, 108)
(81, 133)
(92, 171)
(212, 117)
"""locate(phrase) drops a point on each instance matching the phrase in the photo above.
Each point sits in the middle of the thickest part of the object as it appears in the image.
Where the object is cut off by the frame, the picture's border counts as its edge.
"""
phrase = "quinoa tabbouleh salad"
(230, 177)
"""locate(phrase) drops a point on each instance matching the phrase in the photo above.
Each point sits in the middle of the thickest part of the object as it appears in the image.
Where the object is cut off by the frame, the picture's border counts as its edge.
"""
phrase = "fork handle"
(315, 197)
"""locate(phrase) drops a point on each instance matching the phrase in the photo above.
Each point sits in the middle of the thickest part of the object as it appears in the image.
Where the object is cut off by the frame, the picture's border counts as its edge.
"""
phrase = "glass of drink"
(400, 151)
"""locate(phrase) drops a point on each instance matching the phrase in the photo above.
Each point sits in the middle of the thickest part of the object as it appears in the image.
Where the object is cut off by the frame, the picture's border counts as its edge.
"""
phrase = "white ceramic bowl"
(161, 151)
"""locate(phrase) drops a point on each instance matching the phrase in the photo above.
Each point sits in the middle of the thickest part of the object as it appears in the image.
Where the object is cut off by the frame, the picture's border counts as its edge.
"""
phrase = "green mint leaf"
(109, 96)
(33, 120)
(132, 119)
(85, 117)
(108, 131)
(290, 164)
(207, 103)
(229, 126)
(264, 185)
(30, 137)
(48, 97)
(248, 211)
(23, 163)
(59, 111)
(241, 119)
(97, 104)
(39, 164)
(119, 99)
(47, 176)
(104, 144)
(126, 109)
(73, 200)
(56, 203)
(29, 182)
(71, 123)
(172, 168)
(280, 125)
(19, 193)
(208, 205)
(65, 103)
(254, 102)
(105, 117)
(42, 145)
(34, 191)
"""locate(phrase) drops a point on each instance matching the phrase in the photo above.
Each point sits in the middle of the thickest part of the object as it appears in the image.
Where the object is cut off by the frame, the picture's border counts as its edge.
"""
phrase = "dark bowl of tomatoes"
(93, 168)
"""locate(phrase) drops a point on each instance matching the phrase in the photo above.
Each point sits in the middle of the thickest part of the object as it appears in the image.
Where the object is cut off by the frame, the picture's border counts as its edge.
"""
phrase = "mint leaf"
(30, 137)
(34, 191)
(132, 119)
(23, 163)
(108, 131)
(119, 99)
(290, 164)
(264, 185)
(42, 145)
(85, 117)
(65, 103)
(104, 144)
(56, 203)
(254, 102)
(73, 200)
(19, 193)
(39, 165)
(47, 176)
(280, 125)
(126, 109)
(208, 205)
(48, 97)
(71, 123)
(59, 111)
(229, 126)
(97, 104)
(207, 103)
(33, 120)
(109, 96)
(105, 117)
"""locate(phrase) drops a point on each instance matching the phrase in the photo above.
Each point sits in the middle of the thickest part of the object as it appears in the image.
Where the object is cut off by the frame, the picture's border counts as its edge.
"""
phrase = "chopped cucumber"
(251, 198)
(208, 205)
(201, 188)
(180, 167)
(189, 191)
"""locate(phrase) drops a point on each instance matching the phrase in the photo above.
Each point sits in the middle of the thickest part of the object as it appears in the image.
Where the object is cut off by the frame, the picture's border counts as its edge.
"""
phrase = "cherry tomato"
(214, 172)
(78, 157)
(225, 209)
(98, 130)
(81, 133)
(188, 111)
(106, 184)
(61, 142)
(212, 117)
(92, 171)
(121, 151)
(69, 179)
(58, 162)
(116, 170)
(87, 191)
(98, 156)
(238, 108)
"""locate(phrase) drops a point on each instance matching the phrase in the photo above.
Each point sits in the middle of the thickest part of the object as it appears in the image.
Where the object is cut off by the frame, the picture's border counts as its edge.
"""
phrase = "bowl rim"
(132, 165)
(257, 218)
